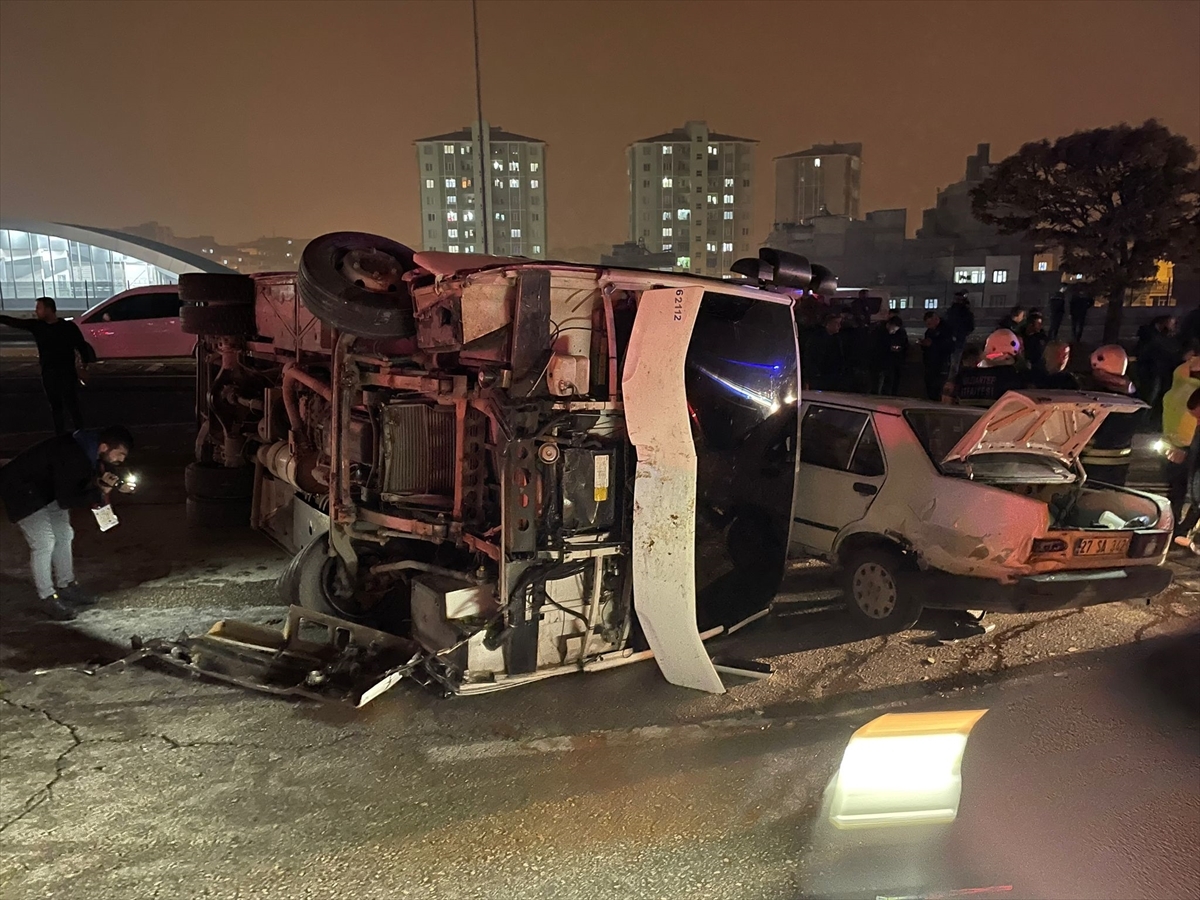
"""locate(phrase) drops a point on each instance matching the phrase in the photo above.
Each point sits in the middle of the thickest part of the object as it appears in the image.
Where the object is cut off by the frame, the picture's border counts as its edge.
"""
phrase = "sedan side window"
(828, 436)
(165, 306)
(868, 456)
(127, 308)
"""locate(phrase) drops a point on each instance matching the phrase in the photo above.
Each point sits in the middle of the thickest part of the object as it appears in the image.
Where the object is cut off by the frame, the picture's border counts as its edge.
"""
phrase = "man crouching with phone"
(43, 484)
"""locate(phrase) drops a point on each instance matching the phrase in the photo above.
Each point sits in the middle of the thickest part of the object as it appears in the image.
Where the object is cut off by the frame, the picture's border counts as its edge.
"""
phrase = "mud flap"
(664, 511)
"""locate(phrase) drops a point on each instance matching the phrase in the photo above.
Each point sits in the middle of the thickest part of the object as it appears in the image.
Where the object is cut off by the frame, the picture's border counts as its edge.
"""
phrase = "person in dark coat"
(960, 320)
(825, 366)
(1034, 342)
(1058, 309)
(1014, 321)
(1158, 353)
(58, 341)
(39, 489)
(1107, 456)
(1080, 306)
(936, 348)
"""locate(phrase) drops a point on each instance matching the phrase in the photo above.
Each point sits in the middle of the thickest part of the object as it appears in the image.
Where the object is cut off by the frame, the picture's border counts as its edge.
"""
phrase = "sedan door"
(841, 471)
(164, 335)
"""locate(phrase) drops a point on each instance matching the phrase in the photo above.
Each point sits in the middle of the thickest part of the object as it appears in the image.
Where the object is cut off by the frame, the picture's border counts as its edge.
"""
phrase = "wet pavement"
(1081, 781)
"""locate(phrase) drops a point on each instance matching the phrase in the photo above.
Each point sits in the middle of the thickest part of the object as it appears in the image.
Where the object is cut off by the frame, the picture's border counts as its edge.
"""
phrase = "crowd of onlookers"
(855, 349)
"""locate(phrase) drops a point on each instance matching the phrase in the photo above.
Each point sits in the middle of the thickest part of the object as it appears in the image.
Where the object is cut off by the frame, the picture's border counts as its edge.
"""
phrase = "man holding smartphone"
(39, 489)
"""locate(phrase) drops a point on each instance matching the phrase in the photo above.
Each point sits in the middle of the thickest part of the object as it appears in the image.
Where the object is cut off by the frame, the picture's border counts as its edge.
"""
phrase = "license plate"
(1106, 546)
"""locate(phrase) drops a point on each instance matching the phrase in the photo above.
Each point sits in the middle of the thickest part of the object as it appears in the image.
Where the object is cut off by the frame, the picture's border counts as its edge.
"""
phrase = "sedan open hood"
(1043, 423)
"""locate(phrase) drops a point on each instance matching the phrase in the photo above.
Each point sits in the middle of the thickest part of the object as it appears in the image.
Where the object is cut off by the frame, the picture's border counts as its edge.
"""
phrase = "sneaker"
(77, 596)
(56, 609)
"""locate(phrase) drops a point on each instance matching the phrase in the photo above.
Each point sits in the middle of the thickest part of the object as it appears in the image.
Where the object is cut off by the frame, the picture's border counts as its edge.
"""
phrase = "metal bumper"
(1046, 593)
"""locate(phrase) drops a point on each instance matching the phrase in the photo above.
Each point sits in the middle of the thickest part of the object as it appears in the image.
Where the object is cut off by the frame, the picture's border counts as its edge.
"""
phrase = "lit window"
(468, 215)
(429, 183)
(999, 276)
(667, 182)
(667, 247)
(969, 274)
(667, 232)
(500, 217)
(498, 165)
(684, 213)
(452, 232)
(1042, 267)
(711, 248)
(498, 182)
(468, 232)
(466, 182)
(727, 248)
(712, 198)
(451, 200)
(537, 248)
(534, 183)
(514, 166)
(729, 198)
(470, 249)
(452, 216)
(892, 303)
(450, 182)
(931, 302)
(683, 261)
(464, 150)
(728, 182)
(533, 167)
(666, 215)
(514, 182)
(712, 150)
(453, 248)
(447, 148)
(817, 164)
(728, 215)
(515, 232)
(667, 151)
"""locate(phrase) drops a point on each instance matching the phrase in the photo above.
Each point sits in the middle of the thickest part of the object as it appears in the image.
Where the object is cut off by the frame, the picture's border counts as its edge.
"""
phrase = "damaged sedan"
(926, 505)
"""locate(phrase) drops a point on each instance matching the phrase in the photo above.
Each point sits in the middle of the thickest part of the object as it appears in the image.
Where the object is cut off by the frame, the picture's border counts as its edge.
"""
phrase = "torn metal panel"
(664, 512)
(315, 656)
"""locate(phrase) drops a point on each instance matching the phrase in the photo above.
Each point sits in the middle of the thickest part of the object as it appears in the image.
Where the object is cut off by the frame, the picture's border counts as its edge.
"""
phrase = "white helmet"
(1000, 343)
(1110, 358)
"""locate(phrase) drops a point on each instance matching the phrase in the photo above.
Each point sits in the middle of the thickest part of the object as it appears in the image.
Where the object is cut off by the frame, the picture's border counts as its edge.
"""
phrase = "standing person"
(889, 350)
(961, 322)
(972, 356)
(58, 340)
(1158, 354)
(937, 346)
(1189, 534)
(1080, 306)
(1053, 375)
(996, 374)
(1014, 321)
(1035, 341)
(825, 357)
(1177, 432)
(1058, 308)
(40, 487)
(1108, 454)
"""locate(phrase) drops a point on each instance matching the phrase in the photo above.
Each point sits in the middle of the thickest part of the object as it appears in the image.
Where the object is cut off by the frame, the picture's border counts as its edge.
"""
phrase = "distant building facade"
(457, 191)
(691, 194)
(264, 254)
(825, 179)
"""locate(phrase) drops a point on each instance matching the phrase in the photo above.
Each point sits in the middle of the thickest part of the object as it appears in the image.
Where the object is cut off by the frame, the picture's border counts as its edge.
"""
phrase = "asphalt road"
(1083, 779)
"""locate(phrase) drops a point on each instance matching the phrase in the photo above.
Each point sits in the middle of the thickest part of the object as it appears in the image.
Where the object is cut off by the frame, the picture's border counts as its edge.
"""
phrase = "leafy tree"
(1116, 200)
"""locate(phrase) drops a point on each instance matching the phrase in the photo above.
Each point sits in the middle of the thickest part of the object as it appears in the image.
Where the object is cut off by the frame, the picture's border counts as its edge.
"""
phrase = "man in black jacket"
(961, 322)
(58, 340)
(40, 487)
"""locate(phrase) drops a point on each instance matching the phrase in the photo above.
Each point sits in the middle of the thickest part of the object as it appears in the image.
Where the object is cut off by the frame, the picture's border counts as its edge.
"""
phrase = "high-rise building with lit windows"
(825, 179)
(691, 193)
(513, 178)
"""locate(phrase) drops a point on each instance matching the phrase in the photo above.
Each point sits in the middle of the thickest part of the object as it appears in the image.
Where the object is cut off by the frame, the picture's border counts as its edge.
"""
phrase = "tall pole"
(483, 163)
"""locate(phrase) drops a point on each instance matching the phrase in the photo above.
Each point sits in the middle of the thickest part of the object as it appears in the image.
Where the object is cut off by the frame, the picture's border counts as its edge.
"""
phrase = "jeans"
(49, 535)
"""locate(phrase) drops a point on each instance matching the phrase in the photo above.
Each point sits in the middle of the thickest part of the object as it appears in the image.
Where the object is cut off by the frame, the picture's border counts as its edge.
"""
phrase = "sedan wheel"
(879, 590)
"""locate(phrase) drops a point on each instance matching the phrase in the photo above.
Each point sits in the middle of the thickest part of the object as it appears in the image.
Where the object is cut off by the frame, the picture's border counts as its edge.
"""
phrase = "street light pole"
(483, 163)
